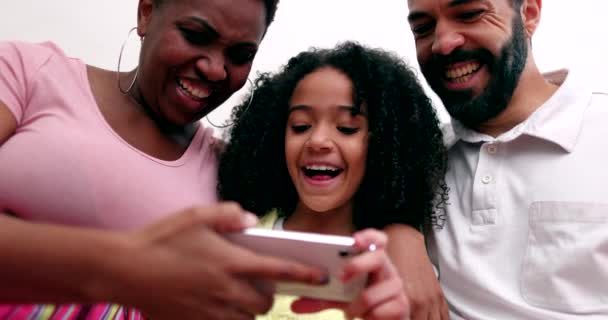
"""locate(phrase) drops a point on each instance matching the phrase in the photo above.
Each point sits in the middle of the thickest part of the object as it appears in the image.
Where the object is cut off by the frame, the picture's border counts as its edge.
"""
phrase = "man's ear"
(144, 16)
(530, 13)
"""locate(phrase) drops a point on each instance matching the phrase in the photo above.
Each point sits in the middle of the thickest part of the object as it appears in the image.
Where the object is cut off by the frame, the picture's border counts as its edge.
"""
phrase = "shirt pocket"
(565, 267)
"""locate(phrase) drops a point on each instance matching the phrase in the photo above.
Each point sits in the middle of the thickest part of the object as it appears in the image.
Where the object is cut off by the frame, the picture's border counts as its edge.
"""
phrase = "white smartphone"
(328, 252)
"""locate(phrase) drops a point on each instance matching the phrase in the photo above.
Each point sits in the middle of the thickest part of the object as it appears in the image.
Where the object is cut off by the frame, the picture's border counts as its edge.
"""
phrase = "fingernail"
(250, 219)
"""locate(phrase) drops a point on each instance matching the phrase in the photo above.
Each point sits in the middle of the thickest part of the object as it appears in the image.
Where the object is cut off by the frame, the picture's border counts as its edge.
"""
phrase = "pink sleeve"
(19, 63)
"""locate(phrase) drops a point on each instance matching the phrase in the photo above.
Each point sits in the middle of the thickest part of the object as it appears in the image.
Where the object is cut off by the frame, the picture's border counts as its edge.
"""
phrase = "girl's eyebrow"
(308, 108)
(298, 107)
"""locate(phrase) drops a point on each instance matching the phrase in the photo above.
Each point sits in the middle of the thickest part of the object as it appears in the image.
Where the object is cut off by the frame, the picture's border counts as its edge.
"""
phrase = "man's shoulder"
(449, 135)
(599, 103)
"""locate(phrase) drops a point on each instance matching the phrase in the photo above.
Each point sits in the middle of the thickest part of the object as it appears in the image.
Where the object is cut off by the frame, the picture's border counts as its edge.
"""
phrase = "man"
(526, 235)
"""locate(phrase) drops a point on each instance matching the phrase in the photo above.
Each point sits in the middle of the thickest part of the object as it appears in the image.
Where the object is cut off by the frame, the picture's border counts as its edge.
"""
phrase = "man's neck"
(532, 91)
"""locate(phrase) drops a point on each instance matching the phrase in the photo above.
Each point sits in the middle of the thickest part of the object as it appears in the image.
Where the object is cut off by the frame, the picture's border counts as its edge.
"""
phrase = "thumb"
(222, 218)
(228, 217)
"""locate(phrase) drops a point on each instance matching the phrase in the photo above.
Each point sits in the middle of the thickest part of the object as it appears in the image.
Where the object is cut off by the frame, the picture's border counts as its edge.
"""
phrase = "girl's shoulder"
(269, 219)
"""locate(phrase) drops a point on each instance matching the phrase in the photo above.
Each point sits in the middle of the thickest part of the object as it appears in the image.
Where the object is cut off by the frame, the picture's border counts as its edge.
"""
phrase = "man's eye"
(422, 29)
(300, 128)
(470, 15)
(348, 130)
(194, 37)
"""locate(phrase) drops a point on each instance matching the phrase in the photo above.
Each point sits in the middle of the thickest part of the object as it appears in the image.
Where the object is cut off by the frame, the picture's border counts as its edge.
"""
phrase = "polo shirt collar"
(559, 120)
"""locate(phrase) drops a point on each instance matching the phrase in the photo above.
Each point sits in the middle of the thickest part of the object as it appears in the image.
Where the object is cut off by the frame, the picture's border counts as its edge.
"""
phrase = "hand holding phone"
(383, 296)
(328, 252)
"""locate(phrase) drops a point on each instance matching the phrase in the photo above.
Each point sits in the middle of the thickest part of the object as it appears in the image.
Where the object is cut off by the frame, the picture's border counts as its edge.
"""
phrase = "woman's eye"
(300, 128)
(241, 56)
(348, 130)
(195, 37)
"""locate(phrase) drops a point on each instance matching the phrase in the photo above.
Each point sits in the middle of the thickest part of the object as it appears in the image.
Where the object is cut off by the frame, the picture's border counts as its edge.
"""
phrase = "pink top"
(66, 165)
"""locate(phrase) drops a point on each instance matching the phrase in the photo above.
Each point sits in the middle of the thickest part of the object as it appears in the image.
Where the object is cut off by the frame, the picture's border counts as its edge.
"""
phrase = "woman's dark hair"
(271, 9)
(406, 159)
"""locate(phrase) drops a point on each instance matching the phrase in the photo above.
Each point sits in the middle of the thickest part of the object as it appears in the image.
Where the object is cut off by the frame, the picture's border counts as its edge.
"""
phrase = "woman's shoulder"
(218, 144)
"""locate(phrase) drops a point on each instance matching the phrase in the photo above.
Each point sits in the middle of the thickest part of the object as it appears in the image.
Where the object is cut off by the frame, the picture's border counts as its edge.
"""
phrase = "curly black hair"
(406, 161)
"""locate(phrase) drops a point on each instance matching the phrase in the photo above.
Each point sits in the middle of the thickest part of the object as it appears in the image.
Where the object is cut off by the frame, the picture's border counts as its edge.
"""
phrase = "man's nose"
(447, 39)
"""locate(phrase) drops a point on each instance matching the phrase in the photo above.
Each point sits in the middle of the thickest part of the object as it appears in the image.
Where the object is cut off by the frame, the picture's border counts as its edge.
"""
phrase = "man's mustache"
(440, 61)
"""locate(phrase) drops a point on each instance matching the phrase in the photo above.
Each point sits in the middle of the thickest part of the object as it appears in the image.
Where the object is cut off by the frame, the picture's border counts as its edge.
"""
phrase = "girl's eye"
(195, 37)
(348, 130)
(300, 128)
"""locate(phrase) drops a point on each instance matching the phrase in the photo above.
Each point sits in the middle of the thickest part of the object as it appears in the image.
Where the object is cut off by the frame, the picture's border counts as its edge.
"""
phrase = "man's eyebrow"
(455, 3)
(417, 15)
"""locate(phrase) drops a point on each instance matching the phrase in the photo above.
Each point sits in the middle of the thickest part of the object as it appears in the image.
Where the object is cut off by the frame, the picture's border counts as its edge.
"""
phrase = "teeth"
(193, 90)
(321, 167)
(462, 79)
(462, 72)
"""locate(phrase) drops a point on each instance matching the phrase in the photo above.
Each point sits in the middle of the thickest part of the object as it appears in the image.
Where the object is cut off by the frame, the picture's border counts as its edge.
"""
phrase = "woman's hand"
(182, 268)
(382, 298)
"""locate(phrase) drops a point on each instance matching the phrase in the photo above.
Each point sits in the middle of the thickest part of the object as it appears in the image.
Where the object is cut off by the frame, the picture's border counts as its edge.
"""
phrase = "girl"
(339, 140)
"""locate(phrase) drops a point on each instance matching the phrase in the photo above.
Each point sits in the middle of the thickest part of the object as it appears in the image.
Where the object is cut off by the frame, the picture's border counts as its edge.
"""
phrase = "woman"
(89, 158)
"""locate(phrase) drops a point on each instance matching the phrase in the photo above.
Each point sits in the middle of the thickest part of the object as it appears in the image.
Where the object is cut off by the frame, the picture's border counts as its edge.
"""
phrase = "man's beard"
(506, 70)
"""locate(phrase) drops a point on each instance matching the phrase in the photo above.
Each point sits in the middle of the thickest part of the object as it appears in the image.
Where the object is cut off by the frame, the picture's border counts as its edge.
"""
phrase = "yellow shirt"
(281, 309)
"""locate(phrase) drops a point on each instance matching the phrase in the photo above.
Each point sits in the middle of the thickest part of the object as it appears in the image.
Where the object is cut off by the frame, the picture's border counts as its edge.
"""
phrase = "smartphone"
(328, 252)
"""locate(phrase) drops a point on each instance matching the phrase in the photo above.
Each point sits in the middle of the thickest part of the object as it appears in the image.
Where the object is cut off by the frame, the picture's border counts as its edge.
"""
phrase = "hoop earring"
(122, 48)
(226, 124)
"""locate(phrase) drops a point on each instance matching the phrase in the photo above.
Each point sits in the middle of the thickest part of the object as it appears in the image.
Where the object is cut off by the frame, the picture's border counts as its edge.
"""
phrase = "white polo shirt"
(526, 235)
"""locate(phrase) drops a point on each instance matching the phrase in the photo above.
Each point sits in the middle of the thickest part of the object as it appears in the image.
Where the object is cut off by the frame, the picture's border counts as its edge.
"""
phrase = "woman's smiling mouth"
(193, 89)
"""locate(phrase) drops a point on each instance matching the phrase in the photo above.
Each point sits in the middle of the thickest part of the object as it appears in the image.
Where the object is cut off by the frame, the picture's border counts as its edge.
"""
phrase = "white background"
(571, 33)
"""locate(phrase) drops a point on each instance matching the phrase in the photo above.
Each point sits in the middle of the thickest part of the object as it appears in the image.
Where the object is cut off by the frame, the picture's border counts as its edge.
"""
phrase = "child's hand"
(383, 297)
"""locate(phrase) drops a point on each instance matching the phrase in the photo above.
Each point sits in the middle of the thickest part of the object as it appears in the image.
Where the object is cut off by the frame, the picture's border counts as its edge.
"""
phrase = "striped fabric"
(68, 312)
